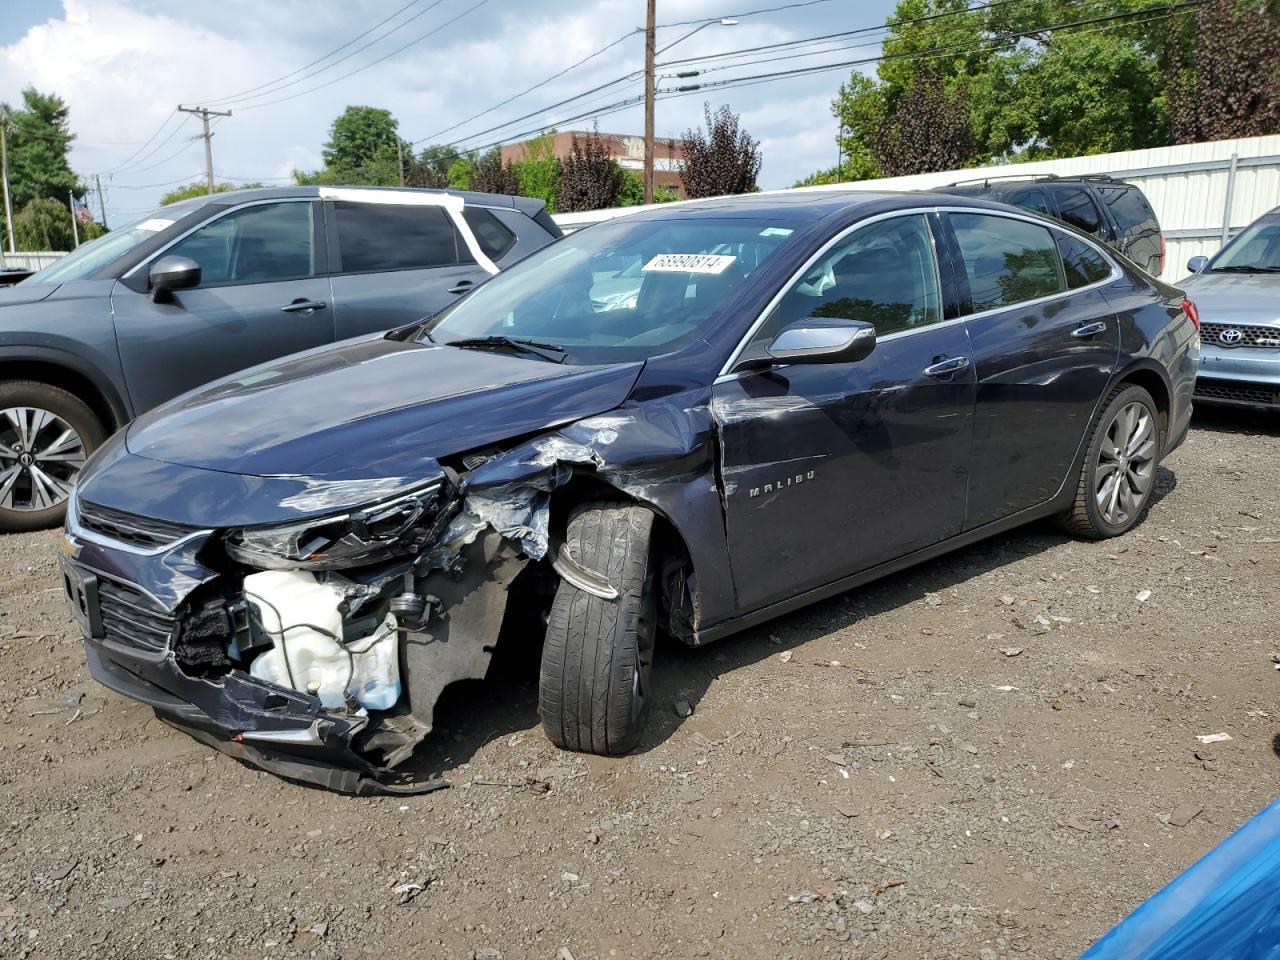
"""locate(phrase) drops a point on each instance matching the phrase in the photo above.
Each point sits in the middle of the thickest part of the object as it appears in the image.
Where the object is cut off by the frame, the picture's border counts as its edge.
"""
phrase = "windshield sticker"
(712, 263)
(155, 224)
(776, 232)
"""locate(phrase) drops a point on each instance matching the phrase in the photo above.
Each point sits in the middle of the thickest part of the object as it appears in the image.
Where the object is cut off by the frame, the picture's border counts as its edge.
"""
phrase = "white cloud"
(123, 65)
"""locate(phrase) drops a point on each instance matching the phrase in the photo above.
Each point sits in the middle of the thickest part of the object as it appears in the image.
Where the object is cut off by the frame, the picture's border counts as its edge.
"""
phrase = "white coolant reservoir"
(301, 617)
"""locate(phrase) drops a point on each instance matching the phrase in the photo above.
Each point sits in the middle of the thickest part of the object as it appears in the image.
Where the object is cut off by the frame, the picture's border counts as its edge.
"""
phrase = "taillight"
(1197, 322)
(1192, 312)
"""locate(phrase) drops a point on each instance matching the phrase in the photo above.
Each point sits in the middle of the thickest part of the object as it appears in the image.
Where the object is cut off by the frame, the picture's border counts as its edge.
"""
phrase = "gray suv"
(206, 287)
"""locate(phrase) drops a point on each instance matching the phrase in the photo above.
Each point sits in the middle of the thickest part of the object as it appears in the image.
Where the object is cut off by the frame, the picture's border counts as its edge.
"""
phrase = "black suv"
(1115, 212)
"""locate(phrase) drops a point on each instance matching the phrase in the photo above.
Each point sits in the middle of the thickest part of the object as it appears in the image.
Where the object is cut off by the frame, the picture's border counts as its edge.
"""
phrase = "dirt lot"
(880, 775)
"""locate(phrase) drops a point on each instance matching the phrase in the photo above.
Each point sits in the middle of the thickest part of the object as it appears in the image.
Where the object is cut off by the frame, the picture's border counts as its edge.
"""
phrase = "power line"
(1168, 11)
(536, 86)
(272, 83)
(164, 123)
(749, 13)
(398, 50)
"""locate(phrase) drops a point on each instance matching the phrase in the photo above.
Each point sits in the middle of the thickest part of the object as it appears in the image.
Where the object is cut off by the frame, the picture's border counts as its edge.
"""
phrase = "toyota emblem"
(1230, 336)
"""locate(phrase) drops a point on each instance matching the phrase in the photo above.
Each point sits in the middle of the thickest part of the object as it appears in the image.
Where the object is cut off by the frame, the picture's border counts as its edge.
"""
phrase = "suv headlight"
(377, 532)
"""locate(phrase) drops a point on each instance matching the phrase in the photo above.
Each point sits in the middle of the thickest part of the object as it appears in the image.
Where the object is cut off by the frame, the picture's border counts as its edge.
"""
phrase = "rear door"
(262, 294)
(1045, 344)
(1139, 230)
(395, 263)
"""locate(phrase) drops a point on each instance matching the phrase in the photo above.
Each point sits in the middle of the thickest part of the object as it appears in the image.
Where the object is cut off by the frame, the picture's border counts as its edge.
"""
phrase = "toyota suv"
(203, 288)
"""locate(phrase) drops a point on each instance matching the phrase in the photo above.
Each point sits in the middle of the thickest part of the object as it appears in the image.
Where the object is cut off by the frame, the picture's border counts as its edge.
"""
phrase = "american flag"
(81, 211)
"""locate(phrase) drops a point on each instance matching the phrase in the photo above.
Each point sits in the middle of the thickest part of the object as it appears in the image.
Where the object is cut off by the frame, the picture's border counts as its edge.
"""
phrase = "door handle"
(462, 286)
(303, 305)
(1089, 330)
(945, 368)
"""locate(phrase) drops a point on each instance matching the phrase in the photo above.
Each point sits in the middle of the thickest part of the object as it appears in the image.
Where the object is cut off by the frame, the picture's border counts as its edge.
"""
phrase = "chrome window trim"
(204, 223)
(726, 371)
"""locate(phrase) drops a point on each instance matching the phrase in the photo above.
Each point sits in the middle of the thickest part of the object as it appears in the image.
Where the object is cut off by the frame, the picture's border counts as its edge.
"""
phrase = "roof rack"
(1032, 178)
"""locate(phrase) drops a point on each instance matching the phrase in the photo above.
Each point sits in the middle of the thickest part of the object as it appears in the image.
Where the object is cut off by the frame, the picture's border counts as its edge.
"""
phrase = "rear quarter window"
(494, 239)
(1129, 207)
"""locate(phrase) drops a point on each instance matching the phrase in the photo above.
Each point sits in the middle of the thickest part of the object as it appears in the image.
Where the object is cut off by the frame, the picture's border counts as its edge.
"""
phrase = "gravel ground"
(994, 754)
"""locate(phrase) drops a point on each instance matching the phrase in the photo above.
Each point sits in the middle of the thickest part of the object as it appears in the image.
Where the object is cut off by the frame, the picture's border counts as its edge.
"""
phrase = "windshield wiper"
(1246, 268)
(548, 351)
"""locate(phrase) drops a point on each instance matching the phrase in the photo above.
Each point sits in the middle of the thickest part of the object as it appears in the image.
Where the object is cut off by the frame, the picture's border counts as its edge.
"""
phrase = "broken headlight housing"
(381, 531)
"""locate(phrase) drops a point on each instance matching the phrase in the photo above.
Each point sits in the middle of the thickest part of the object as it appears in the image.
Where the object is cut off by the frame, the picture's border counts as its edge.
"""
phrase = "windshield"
(89, 258)
(1257, 248)
(621, 290)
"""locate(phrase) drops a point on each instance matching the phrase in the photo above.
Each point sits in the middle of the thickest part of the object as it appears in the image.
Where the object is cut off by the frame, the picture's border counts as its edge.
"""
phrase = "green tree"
(538, 171)
(1034, 86)
(460, 171)
(37, 140)
(199, 189)
(361, 150)
(43, 224)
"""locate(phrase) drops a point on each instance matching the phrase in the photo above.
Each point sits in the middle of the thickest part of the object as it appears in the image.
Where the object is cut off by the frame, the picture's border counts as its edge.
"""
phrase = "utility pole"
(4, 178)
(101, 203)
(400, 157)
(75, 227)
(649, 31)
(204, 113)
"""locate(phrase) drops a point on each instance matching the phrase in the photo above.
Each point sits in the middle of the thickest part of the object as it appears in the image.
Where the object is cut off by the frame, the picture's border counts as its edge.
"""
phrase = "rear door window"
(1035, 201)
(1007, 261)
(494, 239)
(1077, 208)
(255, 244)
(379, 237)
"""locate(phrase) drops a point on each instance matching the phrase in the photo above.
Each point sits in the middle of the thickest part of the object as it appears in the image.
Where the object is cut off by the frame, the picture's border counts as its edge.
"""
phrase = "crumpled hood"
(20, 293)
(1236, 297)
(370, 410)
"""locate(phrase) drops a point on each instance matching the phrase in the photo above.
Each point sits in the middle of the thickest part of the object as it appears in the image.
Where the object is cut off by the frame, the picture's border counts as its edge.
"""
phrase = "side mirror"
(1196, 264)
(820, 340)
(172, 273)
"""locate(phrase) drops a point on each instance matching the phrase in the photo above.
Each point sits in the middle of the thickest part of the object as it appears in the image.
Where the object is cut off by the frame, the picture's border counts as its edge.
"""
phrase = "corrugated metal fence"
(1202, 193)
(29, 261)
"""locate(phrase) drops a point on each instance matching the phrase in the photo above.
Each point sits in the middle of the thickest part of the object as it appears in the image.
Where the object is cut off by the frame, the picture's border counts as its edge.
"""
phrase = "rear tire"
(593, 688)
(46, 434)
(1118, 475)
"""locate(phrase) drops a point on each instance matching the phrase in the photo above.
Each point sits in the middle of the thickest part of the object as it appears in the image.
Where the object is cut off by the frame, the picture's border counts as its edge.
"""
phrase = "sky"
(124, 65)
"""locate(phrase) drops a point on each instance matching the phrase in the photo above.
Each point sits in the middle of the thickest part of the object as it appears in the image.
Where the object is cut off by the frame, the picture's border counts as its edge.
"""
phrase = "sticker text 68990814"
(688, 263)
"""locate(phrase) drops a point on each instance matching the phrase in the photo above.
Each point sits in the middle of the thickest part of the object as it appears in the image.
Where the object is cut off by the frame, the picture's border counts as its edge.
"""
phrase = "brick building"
(627, 150)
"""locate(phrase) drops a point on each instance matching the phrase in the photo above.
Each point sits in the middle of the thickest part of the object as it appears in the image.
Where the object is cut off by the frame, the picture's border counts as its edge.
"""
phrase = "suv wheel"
(46, 434)
(1119, 469)
(593, 687)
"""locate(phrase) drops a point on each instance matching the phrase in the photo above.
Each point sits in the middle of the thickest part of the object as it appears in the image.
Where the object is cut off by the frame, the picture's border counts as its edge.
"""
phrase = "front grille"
(127, 527)
(1237, 392)
(131, 619)
(1240, 335)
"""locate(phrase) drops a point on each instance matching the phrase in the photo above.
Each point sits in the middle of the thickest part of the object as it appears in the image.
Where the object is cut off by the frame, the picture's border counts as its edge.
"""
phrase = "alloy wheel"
(40, 456)
(1126, 464)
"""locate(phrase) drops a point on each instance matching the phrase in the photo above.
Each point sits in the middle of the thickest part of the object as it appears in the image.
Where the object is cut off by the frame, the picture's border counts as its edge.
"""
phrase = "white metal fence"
(1202, 193)
(29, 261)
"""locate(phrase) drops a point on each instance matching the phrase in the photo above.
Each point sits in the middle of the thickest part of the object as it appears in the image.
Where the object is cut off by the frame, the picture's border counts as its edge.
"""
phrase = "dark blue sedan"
(688, 420)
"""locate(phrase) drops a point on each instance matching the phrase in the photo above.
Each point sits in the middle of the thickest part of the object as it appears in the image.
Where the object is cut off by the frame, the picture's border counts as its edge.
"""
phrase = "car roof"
(231, 197)
(804, 205)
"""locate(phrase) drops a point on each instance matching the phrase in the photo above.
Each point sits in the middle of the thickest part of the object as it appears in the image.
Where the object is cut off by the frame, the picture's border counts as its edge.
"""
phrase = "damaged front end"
(317, 648)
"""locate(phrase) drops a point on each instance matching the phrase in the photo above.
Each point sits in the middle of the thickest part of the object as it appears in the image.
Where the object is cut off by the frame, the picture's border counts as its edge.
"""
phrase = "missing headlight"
(381, 531)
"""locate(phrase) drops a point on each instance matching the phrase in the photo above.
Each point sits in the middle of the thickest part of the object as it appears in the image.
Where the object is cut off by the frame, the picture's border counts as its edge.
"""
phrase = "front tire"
(46, 434)
(593, 688)
(1119, 471)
